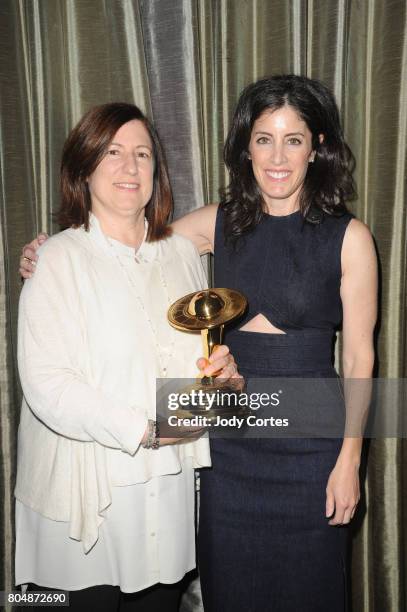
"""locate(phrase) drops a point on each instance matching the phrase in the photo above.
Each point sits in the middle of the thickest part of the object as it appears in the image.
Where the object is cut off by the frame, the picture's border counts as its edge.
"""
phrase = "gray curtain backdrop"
(184, 62)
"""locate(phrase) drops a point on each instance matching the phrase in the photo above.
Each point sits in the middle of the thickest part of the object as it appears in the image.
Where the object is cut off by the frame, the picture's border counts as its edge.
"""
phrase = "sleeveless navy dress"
(264, 542)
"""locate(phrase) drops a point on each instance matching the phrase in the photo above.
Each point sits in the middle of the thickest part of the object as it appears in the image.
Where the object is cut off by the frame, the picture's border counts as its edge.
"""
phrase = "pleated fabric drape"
(184, 62)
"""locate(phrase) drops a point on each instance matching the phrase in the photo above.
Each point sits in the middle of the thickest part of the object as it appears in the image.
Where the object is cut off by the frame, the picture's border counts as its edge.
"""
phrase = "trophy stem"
(210, 339)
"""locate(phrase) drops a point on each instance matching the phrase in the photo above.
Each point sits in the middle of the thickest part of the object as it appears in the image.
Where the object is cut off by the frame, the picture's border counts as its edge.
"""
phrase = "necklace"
(163, 364)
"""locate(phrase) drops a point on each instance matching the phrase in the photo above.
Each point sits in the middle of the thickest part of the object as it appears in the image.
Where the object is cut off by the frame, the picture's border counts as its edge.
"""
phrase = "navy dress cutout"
(264, 543)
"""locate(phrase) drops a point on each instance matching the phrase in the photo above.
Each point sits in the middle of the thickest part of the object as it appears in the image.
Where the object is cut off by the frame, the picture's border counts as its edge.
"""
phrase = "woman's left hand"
(342, 493)
(221, 364)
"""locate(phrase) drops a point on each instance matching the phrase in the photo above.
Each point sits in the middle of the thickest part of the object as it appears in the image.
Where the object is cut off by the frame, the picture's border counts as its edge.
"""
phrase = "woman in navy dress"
(273, 516)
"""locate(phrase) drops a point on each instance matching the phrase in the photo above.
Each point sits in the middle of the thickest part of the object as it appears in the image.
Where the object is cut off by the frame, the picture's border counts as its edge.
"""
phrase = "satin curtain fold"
(185, 62)
(169, 30)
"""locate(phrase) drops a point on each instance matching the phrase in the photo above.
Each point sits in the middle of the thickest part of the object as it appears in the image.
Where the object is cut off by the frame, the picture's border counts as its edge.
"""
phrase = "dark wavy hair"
(328, 184)
(85, 148)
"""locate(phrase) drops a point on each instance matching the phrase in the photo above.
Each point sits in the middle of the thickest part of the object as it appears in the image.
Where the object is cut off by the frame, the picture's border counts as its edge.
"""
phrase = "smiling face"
(280, 149)
(122, 184)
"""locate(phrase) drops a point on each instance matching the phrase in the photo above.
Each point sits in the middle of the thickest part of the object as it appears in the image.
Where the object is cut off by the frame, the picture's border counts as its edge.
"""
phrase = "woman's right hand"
(185, 434)
(29, 256)
(189, 435)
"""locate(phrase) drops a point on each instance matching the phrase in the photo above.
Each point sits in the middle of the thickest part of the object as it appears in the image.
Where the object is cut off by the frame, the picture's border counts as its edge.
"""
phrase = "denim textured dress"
(264, 541)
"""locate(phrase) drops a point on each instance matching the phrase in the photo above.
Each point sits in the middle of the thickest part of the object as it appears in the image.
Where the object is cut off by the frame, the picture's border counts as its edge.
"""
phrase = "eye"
(262, 140)
(113, 152)
(144, 155)
(294, 141)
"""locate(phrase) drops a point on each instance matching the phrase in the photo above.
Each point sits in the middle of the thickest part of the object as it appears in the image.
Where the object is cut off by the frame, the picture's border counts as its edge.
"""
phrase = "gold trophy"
(207, 312)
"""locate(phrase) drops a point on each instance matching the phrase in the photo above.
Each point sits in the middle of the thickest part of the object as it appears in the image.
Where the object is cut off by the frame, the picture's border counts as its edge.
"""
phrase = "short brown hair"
(83, 151)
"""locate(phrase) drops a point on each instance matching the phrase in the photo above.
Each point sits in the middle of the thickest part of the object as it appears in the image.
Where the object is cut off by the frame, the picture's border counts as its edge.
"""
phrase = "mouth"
(127, 186)
(279, 175)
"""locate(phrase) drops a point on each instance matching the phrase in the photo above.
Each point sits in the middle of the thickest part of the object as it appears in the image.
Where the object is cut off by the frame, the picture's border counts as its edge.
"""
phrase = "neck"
(127, 230)
(279, 209)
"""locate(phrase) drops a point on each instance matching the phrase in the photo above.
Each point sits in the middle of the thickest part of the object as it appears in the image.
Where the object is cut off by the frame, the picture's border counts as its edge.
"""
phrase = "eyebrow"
(289, 134)
(117, 144)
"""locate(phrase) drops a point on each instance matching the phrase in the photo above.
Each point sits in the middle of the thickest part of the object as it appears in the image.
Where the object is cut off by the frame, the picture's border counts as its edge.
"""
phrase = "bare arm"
(199, 227)
(359, 301)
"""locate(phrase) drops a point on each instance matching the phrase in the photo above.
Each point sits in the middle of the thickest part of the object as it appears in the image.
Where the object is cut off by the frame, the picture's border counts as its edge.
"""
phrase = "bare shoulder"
(199, 227)
(357, 231)
(358, 247)
(359, 291)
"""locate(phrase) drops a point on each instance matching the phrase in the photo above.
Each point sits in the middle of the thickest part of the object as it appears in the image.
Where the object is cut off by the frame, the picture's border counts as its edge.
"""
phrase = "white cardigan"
(88, 366)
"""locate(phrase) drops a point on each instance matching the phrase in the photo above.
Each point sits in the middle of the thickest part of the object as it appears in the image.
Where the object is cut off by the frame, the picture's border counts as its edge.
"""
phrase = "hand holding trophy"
(207, 312)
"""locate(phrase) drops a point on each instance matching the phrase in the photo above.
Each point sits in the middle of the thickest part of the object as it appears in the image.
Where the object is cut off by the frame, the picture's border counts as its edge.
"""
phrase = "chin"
(279, 195)
(129, 209)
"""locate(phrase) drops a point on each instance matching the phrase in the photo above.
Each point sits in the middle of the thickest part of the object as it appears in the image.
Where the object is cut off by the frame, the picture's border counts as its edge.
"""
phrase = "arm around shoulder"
(199, 227)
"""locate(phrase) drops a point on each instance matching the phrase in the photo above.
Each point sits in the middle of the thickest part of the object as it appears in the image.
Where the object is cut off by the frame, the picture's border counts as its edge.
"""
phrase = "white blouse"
(147, 537)
(93, 338)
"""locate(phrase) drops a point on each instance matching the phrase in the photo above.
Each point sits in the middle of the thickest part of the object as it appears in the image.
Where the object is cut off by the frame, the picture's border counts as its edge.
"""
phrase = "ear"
(311, 158)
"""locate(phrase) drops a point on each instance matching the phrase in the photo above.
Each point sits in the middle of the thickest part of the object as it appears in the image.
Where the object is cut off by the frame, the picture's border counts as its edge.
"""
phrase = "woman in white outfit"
(105, 507)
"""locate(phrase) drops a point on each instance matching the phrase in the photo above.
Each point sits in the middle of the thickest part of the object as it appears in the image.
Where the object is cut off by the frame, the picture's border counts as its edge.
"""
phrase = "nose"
(278, 155)
(131, 164)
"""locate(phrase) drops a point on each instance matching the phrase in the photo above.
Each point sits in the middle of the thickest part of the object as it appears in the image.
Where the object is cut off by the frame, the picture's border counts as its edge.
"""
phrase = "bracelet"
(153, 435)
(150, 434)
(156, 442)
